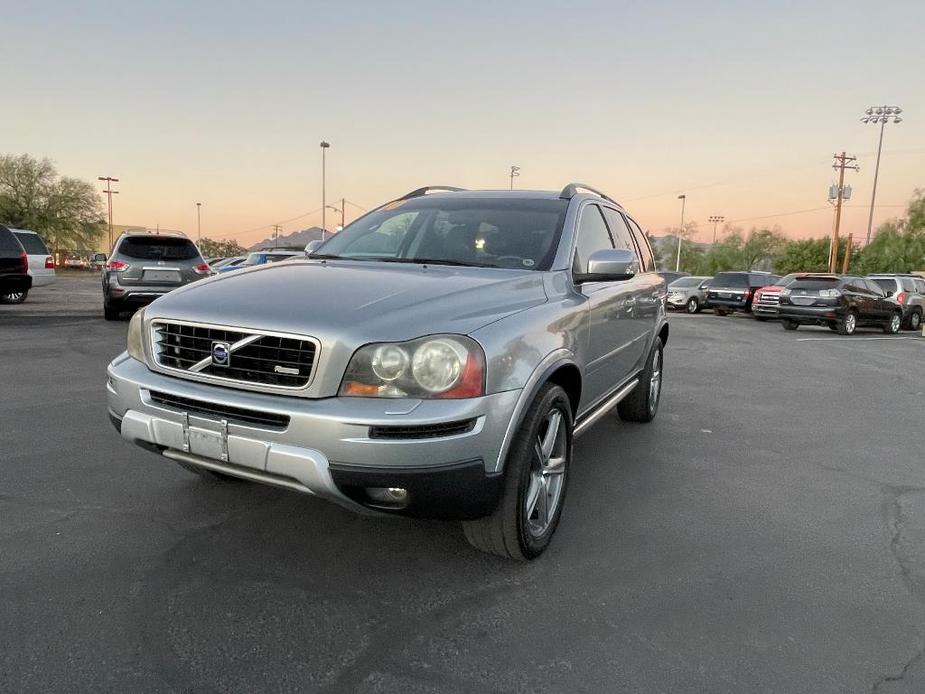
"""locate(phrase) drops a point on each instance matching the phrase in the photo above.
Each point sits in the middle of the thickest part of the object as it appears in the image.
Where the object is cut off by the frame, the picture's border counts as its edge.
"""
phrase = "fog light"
(392, 497)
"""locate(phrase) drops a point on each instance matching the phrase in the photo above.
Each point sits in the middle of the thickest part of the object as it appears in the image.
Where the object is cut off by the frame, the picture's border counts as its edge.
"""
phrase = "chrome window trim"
(150, 333)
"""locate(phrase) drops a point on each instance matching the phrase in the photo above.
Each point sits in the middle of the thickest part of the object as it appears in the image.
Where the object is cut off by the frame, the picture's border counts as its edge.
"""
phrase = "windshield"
(32, 243)
(730, 279)
(686, 283)
(157, 248)
(518, 233)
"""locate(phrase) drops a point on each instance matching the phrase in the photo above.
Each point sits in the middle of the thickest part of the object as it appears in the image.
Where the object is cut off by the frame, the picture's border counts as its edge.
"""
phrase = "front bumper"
(765, 309)
(326, 449)
(676, 301)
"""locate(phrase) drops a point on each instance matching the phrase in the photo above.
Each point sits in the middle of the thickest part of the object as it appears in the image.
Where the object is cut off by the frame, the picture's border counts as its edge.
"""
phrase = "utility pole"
(109, 193)
(515, 171)
(715, 219)
(881, 115)
(276, 229)
(198, 222)
(324, 202)
(677, 265)
(842, 162)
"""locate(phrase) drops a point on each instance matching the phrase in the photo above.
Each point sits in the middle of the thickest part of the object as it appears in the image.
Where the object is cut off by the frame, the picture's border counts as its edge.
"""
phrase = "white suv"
(41, 265)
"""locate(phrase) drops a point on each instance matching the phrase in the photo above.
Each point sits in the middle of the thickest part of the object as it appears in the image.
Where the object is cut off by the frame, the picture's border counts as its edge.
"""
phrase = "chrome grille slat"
(178, 346)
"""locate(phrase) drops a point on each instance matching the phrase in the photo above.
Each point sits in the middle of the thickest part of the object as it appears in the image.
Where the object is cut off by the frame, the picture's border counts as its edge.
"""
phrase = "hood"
(355, 301)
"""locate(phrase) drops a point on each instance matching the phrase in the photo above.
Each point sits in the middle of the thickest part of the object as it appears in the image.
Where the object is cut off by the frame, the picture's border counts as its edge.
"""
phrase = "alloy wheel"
(692, 305)
(915, 320)
(655, 380)
(547, 473)
(850, 323)
(895, 323)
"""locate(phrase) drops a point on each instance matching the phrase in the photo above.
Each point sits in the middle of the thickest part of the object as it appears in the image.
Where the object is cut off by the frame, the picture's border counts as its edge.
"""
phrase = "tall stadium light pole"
(198, 223)
(677, 265)
(515, 171)
(715, 219)
(881, 115)
(109, 193)
(324, 197)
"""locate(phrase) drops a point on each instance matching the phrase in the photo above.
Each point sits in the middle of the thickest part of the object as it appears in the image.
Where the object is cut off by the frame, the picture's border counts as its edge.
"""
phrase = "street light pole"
(683, 199)
(109, 193)
(198, 223)
(515, 171)
(324, 199)
(881, 115)
(716, 219)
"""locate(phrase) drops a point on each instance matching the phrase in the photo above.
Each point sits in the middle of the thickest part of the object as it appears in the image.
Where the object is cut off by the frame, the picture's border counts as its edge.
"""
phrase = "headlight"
(439, 366)
(135, 343)
(785, 292)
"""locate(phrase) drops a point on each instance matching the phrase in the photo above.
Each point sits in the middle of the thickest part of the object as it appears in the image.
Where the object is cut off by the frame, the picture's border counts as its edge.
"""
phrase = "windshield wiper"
(324, 256)
(434, 261)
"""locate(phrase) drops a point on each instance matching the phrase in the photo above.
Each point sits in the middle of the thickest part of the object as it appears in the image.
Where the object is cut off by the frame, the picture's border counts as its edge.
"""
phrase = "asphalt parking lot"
(764, 534)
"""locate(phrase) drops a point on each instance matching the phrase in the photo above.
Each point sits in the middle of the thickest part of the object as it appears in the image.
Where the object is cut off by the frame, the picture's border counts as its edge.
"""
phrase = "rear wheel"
(111, 310)
(848, 324)
(14, 297)
(641, 405)
(915, 320)
(760, 319)
(535, 480)
(693, 305)
(721, 312)
(896, 322)
(789, 324)
(832, 326)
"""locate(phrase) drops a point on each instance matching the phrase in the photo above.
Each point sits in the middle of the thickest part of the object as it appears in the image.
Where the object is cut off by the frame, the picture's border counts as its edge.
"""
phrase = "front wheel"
(693, 305)
(789, 324)
(893, 327)
(535, 480)
(848, 324)
(915, 320)
(14, 297)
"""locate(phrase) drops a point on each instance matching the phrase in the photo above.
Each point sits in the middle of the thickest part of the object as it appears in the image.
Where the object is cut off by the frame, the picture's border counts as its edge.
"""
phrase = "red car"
(766, 300)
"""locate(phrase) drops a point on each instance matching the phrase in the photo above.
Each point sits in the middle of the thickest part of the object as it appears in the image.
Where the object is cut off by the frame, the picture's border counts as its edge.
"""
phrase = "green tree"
(899, 245)
(211, 248)
(760, 248)
(66, 212)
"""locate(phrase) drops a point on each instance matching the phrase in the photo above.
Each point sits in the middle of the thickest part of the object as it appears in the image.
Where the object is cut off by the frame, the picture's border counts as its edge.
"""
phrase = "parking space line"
(851, 338)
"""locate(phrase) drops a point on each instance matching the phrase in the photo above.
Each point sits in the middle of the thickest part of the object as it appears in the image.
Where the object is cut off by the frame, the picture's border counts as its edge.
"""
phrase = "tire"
(535, 467)
(14, 297)
(641, 405)
(721, 312)
(848, 323)
(112, 311)
(915, 320)
(761, 319)
(895, 324)
(693, 305)
(789, 324)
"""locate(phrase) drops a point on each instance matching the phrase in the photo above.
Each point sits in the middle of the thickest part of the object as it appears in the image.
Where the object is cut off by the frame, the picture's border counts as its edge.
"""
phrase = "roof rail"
(426, 189)
(571, 190)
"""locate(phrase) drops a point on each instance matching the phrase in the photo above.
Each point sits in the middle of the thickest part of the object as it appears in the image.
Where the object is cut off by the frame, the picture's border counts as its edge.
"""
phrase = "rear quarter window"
(730, 279)
(152, 248)
(8, 242)
(908, 284)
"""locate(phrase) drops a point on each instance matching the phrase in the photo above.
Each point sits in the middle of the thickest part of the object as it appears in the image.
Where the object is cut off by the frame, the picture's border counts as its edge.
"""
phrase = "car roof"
(22, 231)
(515, 194)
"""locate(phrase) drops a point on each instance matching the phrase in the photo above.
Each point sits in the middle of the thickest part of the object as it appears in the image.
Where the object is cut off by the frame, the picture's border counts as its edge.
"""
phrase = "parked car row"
(841, 302)
(25, 263)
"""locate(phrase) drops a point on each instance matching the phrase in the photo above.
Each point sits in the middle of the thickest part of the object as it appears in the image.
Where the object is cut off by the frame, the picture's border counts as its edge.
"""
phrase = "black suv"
(734, 291)
(14, 265)
(843, 303)
(144, 266)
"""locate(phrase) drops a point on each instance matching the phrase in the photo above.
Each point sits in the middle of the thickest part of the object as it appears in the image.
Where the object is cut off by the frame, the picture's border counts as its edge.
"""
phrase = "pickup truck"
(436, 358)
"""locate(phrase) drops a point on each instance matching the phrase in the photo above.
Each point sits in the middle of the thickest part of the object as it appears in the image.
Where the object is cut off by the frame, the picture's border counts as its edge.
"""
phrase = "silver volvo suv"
(435, 358)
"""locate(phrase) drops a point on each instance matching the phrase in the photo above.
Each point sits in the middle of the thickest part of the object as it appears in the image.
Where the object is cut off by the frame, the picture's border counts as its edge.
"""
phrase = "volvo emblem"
(221, 353)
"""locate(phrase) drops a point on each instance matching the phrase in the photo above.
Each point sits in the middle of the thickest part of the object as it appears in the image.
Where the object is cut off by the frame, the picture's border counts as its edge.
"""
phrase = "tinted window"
(592, 236)
(730, 279)
(919, 286)
(686, 282)
(157, 248)
(520, 233)
(32, 243)
(875, 288)
(8, 242)
(643, 243)
(763, 280)
(622, 238)
(816, 283)
(908, 284)
(888, 284)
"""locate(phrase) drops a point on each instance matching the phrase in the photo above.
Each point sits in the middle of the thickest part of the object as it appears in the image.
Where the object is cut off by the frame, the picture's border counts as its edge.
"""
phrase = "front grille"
(217, 411)
(253, 357)
(425, 431)
(769, 299)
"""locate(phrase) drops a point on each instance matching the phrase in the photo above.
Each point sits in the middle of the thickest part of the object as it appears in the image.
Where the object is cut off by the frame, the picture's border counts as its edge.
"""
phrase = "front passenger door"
(610, 312)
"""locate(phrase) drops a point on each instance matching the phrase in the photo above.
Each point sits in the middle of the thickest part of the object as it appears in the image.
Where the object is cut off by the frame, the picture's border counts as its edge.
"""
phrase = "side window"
(908, 284)
(622, 238)
(873, 288)
(648, 259)
(919, 286)
(592, 236)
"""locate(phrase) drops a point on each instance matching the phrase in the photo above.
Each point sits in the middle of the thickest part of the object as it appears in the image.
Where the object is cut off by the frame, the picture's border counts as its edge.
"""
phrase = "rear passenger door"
(610, 312)
(879, 306)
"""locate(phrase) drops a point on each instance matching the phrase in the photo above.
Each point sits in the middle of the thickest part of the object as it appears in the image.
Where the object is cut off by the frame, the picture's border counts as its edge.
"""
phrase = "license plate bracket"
(207, 442)
(162, 276)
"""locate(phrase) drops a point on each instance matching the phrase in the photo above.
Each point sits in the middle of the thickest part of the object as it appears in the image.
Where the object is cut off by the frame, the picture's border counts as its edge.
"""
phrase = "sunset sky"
(739, 105)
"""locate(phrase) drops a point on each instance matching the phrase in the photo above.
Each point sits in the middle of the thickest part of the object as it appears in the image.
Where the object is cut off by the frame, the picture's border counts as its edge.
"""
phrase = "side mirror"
(311, 247)
(609, 265)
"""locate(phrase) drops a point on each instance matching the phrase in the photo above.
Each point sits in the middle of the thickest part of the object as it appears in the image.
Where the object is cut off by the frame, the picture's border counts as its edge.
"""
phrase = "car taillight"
(49, 263)
(202, 269)
(24, 259)
(747, 293)
(117, 266)
(901, 297)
